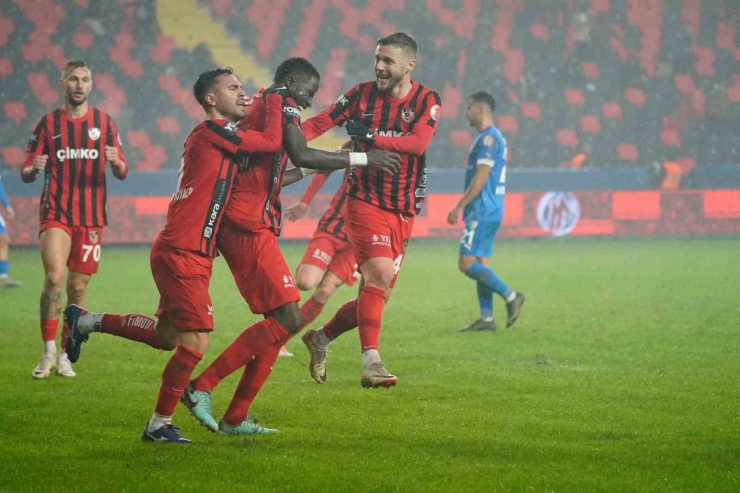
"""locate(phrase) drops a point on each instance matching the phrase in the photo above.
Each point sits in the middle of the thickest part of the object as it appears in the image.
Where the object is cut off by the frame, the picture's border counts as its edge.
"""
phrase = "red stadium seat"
(6, 67)
(452, 96)
(627, 152)
(162, 52)
(461, 138)
(574, 97)
(222, 8)
(612, 110)
(733, 93)
(155, 157)
(83, 39)
(14, 157)
(15, 111)
(567, 138)
(41, 88)
(591, 70)
(138, 139)
(6, 29)
(531, 109)
(635, 96)
(670, 137)
(507, 124)
(705, 59)
(514, 64)
(590, 124)
(539, 31)
(168, 125)
(684, 83)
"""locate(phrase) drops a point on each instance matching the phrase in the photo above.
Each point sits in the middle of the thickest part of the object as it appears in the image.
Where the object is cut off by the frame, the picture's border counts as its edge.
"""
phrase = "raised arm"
(335, 115)
(234, 140)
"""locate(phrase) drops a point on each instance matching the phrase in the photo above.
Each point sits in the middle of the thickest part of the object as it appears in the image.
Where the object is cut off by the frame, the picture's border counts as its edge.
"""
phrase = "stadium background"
(618, 113)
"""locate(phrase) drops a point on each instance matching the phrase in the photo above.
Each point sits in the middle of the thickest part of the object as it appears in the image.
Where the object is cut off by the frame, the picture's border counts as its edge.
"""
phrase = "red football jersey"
(332, 221)
(405, 126)
(214, 152)
(255, 202)
(74, 191)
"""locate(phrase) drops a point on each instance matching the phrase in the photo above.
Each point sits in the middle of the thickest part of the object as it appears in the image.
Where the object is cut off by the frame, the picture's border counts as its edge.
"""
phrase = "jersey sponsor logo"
(94, 133)
(383, 240)
(230, 127)
(292, 111)
(141, 322)
(208, 230)
(322, 255)
(488, 141)
(420, 193)
(435, 112)
(408, 115)
(210, 310)
(182, 194)
(64, 154)
(94, 237)
(391, 133)
(558, 213)
(288, 281)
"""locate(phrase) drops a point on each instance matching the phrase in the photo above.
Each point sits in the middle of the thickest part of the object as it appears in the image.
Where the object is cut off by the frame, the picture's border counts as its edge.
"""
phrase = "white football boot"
(64, 367)
(46, 364)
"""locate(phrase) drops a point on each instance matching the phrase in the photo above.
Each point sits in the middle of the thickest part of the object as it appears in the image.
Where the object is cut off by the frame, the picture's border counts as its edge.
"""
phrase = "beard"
(392, 82)
(74, 100)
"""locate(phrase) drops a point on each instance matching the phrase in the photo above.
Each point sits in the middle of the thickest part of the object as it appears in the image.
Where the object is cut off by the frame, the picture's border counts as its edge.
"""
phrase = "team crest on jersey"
(488, 141)
(408, 115)
(435, 111)
(94, 133)
(93, 237)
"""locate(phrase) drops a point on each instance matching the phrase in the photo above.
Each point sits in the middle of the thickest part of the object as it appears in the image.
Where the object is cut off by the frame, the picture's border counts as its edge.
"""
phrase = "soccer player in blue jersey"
(5, 281)
(482, 208)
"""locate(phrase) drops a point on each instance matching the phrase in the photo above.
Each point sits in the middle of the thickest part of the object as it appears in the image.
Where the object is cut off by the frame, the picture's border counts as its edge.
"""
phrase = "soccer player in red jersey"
(248, 243)
(329, 260)
(182, 255)
(394, 113)
(70, 146)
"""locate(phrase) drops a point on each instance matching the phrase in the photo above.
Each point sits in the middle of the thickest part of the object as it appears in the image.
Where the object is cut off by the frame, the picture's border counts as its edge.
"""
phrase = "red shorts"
(84, 254)
(326, 251)
(374, 232)
(259, 268)
(182, 278)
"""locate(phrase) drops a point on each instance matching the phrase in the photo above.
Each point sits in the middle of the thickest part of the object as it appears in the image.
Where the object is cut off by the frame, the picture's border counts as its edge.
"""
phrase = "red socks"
(49, 330)
(369, 314)
(345, 319)
(175, 377)
(137, 328)
(255, 341)
(254, 377)
(310, 310)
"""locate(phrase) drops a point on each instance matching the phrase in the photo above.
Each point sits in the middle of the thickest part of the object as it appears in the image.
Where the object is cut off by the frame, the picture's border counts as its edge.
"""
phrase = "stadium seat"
(635, 96)
(670, 137)
(83, 39)
(42, 89)
(705, 59)
(461, 138)
(7, 27)
(539, 31)
(590, 124)
(574, 97)
(15, 111)
(627, 152)
(611, 109)
(590, 70)
(14, 157)
(531, 109)
(6, 67)
(684, 83)
(507, 124)
(567, 138)
(168, 125)
(222, 8)
(162, 52)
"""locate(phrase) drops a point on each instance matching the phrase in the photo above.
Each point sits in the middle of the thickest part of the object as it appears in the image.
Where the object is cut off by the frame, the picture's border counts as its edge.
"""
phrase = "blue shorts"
(477, 238)
(3, 227)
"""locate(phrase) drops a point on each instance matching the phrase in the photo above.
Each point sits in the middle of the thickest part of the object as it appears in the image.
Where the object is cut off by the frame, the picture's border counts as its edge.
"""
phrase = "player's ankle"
(370, 356)
(320, 340)
(90, 322)
(511, 297)
(50, 347)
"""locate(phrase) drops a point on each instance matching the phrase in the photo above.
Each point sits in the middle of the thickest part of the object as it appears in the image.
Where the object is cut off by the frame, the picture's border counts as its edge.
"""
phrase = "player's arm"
(416, 142)
(234, 140)
(300, 208)
(296, 174)
(36, 153)
(474, 189)
(6, 203)
(114, 152)
(333, 116)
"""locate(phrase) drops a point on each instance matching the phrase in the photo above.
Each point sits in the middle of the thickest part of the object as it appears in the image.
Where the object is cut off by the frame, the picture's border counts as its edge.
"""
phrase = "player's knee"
(380, 278)
(195, 340)
(305, 283)
(4, 240)
(289, 316)
(76, 289)
(54, 281)
(464, 264)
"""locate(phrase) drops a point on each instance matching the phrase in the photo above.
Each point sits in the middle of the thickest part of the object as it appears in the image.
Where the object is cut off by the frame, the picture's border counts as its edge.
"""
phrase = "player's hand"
(39, 163)
(281, 91)
(296, 211)
(111, 155)
(9, 213)
(360, 132)
(454, 215)
(384, 161)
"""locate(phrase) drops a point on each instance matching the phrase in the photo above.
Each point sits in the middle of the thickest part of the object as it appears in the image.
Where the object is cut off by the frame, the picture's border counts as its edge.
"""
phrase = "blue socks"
(4, 267)
(485, 300)
(485, 275)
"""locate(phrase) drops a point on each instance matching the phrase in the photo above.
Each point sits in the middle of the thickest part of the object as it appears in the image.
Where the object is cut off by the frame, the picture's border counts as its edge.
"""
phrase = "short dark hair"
(484, 97)
(297, 67)
(399, 40)
(206, 80)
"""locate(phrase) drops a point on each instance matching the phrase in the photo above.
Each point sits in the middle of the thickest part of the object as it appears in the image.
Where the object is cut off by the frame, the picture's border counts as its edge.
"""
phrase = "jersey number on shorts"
(397, 264)
(94, 249)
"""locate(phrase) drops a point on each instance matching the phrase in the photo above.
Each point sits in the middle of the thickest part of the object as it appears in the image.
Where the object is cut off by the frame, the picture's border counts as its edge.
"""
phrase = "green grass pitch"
(621, 375)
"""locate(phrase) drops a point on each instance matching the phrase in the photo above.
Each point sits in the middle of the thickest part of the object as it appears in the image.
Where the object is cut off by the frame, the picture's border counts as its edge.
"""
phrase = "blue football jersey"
(488, 149)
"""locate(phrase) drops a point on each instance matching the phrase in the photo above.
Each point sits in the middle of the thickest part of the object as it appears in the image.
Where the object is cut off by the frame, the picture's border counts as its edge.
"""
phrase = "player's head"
(301, 78)
(395, 58)
(76, 82)
(220, 93)
(481, 106)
